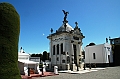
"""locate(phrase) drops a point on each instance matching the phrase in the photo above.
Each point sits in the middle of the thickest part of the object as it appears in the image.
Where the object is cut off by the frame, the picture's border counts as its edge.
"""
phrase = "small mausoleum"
(24, 63)
(65, 46)
(100, 55)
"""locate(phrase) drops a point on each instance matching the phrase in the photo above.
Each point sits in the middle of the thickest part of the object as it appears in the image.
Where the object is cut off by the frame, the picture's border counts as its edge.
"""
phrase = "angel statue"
(65, 13)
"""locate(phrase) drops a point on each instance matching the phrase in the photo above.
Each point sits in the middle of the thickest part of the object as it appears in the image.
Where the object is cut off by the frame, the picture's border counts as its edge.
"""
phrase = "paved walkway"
(107, 73)
(82, 71)
(38, 75)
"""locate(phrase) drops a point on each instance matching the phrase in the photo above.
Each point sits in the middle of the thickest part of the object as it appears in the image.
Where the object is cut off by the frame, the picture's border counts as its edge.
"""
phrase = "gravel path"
(108, 73)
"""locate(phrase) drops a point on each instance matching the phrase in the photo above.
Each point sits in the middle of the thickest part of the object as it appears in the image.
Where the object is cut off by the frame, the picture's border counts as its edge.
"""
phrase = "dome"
(62, 28)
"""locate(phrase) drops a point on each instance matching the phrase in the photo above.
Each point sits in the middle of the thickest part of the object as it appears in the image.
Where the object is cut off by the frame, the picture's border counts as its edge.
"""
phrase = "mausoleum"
(99, 55)
(65, 46)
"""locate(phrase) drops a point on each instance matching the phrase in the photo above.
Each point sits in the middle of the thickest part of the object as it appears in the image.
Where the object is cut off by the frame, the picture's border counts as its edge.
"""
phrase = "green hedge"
(9, 38)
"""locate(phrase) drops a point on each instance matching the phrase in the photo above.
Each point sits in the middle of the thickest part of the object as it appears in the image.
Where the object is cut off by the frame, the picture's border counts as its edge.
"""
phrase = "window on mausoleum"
(57, 58)
(61, 48)
(57, 49)
(94, 56)
(53, 49)
(63, 61)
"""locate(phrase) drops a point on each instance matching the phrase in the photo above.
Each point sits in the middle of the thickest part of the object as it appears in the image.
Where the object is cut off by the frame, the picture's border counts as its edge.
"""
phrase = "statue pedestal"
(73, 67)
(81, 66)
(67, 66)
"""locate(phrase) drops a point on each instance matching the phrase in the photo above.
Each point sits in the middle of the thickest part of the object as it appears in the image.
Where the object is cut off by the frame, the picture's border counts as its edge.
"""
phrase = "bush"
(9, 38)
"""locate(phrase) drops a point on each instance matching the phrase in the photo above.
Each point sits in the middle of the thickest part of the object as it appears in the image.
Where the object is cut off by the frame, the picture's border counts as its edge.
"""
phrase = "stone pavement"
(98, 73)
(82, 71)
(38, 75)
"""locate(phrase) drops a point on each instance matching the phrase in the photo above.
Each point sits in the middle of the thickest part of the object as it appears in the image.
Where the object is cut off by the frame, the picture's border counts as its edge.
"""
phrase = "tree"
(41, 57)
(45, 56)
(48, 56)
(91, 44)
(37, 55)
(33, 55)
(9, 38)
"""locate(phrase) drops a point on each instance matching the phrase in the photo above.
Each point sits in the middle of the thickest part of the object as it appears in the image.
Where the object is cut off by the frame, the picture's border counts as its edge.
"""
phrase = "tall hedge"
(9, 38)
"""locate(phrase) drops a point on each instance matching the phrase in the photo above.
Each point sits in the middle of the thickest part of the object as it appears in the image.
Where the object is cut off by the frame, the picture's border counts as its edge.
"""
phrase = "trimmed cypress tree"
(9, 38)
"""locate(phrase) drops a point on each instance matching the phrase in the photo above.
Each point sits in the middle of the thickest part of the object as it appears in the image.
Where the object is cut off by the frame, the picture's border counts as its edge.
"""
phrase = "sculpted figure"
(65, 13)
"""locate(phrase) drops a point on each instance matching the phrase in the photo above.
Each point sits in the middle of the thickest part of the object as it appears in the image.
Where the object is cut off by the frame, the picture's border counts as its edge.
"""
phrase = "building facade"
(99, 54)
(65, 46)
(24, 63)
(35, 59)
(115, 42)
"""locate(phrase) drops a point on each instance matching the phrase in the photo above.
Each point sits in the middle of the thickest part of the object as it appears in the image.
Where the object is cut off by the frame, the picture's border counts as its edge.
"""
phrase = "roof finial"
(109, 37)
(106, 40)
(76, 24)
(21, 50)
(51, 30)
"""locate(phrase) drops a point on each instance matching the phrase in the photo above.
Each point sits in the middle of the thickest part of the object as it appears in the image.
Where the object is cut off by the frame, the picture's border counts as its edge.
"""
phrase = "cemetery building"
(65, 46)
(35, 59)
(115, 42)
(24, 63)
(100, 55)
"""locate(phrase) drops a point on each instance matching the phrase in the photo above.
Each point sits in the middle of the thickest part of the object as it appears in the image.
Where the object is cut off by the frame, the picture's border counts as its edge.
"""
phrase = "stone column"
(60, 54)
(72, 56)
(72, 53)
(56, 55)
(77, 55)
(81, 56)
(64, 47)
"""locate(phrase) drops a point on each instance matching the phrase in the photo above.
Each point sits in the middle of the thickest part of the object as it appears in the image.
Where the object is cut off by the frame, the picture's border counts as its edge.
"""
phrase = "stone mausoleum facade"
(66, 46)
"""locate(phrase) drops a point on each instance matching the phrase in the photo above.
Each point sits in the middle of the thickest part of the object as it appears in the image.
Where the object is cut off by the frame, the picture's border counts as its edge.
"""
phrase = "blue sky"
(97, 20)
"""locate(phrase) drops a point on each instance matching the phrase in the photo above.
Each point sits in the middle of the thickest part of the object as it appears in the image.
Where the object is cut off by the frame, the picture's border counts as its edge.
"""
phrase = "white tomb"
(99, 54)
